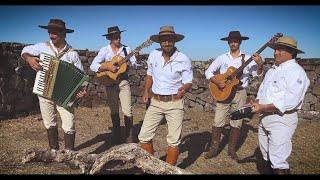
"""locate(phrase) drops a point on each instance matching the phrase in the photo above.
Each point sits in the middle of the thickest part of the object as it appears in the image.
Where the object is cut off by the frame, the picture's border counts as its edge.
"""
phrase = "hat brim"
(156, 38)
(228, 38)
(273, 46)
(55, 27)
(112, 33)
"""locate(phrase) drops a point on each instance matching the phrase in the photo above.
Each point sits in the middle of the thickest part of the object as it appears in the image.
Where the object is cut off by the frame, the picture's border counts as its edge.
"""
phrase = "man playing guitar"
(234, 58)
(120, 89)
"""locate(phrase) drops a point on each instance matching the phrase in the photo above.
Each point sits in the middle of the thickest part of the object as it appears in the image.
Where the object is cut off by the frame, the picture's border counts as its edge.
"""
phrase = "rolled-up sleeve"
(149, 63)
(187, 73)
(34, 50)
(133, 59)
(293, 92)
(96, 63)
(214, 66)
(77, 61)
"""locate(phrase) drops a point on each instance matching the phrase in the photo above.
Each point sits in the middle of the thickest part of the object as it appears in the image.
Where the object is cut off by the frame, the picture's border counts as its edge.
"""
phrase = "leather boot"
(147, 147)
(128, 121)
(172, 155)
(281, 171)
(116, 131)
(69, 141)
(266, 167)
(215, 142)
(53, 137)
(233, 139)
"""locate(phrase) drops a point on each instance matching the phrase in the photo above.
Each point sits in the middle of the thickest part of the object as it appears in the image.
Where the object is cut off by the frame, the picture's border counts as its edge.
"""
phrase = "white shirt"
(224, 61)
(106, 54)
(284, 86)
(168, 78)
(71, 57)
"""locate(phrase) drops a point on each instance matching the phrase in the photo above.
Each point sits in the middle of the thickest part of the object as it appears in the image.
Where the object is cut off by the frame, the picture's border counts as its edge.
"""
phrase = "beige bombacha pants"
(49, 112)
(121, 91)
(173, 112)
(222, 110)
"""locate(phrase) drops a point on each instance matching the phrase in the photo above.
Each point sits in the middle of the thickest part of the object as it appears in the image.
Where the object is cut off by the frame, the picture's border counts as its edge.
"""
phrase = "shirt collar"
(229, 54)
(120, 49)
(172, 57)
(55, 49)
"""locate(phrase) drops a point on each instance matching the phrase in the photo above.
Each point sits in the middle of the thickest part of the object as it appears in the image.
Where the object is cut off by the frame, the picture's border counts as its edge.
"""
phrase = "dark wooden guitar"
(231, 77)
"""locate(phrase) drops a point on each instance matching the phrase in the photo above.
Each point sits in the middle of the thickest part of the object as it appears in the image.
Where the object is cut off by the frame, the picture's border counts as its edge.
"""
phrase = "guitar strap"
(125, 51)
(242, 59)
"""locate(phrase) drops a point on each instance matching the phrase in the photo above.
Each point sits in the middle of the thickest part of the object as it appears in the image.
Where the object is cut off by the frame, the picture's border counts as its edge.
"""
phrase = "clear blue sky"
(203, 26)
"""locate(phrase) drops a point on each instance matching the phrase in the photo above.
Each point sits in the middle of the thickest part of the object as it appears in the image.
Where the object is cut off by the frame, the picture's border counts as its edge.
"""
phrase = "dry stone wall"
(16, 82)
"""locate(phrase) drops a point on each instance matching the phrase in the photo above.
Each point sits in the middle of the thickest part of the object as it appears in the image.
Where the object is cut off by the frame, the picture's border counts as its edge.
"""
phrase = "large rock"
(316, 89)
(311, 99)
(206, 97)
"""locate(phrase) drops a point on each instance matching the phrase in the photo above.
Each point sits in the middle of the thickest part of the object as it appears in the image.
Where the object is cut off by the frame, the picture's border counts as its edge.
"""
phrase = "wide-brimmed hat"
(286, 41)
(165, 31)
(57, 24)
(112, 30)
(234, 35)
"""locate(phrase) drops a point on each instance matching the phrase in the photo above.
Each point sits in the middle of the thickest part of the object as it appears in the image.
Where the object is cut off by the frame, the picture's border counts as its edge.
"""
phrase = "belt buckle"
(166, 98)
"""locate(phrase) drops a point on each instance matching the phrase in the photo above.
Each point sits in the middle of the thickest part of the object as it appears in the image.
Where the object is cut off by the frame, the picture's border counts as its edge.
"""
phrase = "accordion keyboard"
(39, 86)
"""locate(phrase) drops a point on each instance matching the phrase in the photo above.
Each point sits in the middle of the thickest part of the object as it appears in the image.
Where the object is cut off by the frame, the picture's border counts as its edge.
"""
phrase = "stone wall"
(17, 79)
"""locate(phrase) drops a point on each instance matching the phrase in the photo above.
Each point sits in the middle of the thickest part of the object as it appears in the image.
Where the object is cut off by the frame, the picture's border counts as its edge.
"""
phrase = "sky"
(202, 26)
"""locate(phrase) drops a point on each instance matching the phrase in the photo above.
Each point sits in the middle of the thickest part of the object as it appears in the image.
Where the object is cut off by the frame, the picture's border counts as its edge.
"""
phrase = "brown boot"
(147, 147)
(53, 137)
(128, 121)
(281, 171)
(116, 131)
(215, 142)
(233, 139)
(172, 155)
(69, 141)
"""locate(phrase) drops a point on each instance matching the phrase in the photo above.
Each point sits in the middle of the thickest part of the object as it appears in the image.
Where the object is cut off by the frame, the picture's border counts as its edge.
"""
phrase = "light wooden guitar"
(108, 77)
(231, 77)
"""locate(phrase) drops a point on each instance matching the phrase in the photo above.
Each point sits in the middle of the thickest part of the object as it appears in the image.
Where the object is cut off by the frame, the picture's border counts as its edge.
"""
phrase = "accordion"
(59, 81)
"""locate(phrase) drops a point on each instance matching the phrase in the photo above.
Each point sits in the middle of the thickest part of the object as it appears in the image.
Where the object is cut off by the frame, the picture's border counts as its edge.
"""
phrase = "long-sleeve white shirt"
(71, 57)
(284, 86)
(224, 61)
(106, 54)
(169, 77)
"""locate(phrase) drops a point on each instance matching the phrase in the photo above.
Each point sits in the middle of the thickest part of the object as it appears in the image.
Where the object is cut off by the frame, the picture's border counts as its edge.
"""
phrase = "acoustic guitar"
(108, 77)
(231, 77)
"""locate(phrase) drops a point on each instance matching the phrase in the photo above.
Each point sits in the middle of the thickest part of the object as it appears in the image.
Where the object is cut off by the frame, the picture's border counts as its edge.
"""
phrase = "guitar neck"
(240, 69)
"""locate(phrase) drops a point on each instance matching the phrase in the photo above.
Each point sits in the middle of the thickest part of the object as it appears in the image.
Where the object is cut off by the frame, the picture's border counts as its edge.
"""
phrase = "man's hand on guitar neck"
(220, 84)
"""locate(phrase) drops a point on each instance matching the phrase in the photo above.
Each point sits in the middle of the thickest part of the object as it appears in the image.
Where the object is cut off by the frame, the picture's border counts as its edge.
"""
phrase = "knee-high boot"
(53, 137)
(233, 139)
(128, 121)
(215, 142)
(116, 131)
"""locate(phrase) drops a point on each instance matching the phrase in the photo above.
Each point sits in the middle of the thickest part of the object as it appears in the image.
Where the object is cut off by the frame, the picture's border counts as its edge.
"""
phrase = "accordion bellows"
(59, 81)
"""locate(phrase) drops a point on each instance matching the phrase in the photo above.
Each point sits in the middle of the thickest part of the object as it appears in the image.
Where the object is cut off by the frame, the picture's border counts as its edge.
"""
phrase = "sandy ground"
(94, 136)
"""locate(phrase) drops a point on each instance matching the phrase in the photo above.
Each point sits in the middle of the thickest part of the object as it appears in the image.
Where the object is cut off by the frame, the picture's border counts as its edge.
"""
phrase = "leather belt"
(278, 113)
(166, 98)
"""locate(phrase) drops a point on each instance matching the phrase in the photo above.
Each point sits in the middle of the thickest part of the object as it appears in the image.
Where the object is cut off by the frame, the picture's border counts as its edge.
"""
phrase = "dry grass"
(94, 136)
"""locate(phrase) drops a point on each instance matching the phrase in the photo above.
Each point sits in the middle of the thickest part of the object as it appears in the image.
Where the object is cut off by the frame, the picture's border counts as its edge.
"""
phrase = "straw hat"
(286, 41)
(165, 31)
